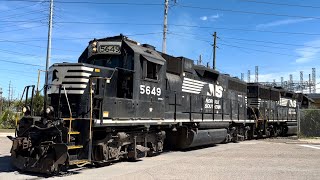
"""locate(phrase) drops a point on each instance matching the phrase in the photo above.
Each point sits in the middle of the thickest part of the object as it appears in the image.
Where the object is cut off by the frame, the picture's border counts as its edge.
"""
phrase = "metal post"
(190, 108)
(165, 26)
(48, 53)
(90, 123)
(214, 50)
(299, 120)
(38, 80)
(202, 112)
(175, 106)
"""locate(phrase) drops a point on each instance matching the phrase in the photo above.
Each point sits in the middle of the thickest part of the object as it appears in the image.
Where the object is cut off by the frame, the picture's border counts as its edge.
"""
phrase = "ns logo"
(215, 90)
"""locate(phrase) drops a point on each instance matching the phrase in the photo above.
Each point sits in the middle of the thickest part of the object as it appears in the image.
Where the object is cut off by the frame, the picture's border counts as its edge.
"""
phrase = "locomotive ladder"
(72, 147)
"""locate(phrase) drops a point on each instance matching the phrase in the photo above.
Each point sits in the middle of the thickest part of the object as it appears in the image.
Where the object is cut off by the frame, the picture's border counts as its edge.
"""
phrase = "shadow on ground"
(6, 167)
(5, 164)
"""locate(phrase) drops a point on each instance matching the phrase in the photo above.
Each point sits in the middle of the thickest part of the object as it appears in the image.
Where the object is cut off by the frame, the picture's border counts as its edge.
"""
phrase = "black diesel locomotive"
(124, 100)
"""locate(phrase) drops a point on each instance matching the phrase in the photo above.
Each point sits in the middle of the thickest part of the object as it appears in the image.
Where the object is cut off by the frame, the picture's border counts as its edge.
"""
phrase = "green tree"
(8, 119)
(38, 104)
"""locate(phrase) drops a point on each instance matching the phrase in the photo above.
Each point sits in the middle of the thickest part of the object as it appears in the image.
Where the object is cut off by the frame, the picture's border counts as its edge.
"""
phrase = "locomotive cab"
(127, 80)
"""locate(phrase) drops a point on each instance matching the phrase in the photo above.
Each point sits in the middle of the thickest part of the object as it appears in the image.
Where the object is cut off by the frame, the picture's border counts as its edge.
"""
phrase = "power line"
(268, 46)
(245, 48)
(21, 7)
(239, 47)
(25, 44)
(17, 53)
(250, 40)
(96, 3)
(181, 25)
(190, 26)
(185, 6)
(261, 45)
(246, 12)
(109, 3)
(203, 40)
(21, 14)
(281, 4)
(14, 62)
(21, 29)
(270, 42)
(251, 30)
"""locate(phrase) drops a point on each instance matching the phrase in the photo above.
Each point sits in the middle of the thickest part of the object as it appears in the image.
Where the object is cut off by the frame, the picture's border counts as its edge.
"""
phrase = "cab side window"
(150, 70)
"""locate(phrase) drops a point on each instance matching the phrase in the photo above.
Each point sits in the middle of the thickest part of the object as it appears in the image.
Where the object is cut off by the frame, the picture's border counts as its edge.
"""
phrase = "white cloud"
(204, 18)
(282, 22)
(215, 16)
(210, 18)
(309, 52)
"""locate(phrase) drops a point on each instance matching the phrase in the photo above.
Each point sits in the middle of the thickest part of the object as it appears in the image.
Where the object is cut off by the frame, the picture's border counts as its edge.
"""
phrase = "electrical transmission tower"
(242, 76)
(314, 83)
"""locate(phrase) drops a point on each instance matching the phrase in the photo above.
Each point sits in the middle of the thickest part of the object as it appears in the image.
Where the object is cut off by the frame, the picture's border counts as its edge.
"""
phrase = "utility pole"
(200, 60)
(165, 26)
(38, 82)
(214, 49)
(9, 93)
(1, 102)
(48, 53)
(257, 74)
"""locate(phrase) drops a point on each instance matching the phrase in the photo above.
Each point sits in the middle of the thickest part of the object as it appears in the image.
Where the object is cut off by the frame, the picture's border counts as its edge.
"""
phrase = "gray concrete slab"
(263, 159)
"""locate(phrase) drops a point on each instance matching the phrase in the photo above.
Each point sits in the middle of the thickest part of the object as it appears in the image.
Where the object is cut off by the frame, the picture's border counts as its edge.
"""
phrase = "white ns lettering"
(218, 93)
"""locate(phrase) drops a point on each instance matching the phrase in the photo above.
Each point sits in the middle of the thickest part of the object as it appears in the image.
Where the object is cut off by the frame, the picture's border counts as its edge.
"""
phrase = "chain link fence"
(309, 123)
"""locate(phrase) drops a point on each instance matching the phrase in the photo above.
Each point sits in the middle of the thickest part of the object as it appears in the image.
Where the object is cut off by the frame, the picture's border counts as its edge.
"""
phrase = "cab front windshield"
(111, 61)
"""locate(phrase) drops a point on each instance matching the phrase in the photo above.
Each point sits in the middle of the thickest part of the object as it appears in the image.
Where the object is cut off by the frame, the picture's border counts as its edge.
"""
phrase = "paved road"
(263, 159)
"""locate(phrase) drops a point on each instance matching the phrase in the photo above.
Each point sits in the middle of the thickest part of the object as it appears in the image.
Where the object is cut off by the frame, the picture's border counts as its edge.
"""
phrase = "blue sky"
(290, 34)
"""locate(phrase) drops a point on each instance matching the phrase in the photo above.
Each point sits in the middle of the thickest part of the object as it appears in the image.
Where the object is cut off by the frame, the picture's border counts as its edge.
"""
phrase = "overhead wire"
(246, 12)
(21, 29)
(261, 45)
(274, 47)
(20, 63)
(258, 50)
(21, 14)
(269, 42)
(280, 4)
(190, 26)
(183, 6)
(18, 53)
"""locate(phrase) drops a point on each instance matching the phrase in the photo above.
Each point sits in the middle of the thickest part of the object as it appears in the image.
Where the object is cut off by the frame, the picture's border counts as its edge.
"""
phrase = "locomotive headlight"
(94, 49)
(94, 44)
(24, 109)
(48, 110)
